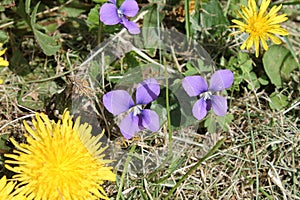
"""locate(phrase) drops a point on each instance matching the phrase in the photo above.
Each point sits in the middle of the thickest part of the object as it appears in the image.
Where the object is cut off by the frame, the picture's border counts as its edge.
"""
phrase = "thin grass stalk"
(227, 8)
(292, 50)
(125, 171)
(168, 111)
(167, 86)
(254, 152)
(265, 193)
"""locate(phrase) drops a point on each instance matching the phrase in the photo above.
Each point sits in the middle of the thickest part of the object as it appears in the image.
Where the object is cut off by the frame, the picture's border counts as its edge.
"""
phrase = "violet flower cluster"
(110, 14)
(139, 118)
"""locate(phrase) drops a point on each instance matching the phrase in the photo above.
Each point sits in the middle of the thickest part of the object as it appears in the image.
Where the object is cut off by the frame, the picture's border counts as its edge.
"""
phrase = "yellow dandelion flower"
(3, 63)
(60, 161)
(260, 25)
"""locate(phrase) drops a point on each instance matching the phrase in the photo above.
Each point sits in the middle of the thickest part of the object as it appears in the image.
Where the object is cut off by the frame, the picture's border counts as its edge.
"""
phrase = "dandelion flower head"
(260, 25)
(59, 161)
(3, 63)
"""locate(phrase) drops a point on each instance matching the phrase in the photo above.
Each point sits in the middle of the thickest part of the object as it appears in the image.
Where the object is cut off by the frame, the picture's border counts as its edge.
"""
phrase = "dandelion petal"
(221, 80)
(147, 91)
(129, 8)
(117, 101)
(132, 27)
(194, 85)
(109, 14)
(219, 105)
(150, 120)
(200, 109)
(129, 126)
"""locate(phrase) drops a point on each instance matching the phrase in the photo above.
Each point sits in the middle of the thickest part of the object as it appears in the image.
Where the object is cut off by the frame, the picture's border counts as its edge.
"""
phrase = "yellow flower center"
(257, 26)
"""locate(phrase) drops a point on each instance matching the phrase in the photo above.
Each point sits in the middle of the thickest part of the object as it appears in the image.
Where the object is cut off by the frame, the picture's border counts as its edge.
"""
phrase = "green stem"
(211, 152)
(187, 19)
(99, 36)
(254, 152)
(125, 171)
(168, 111)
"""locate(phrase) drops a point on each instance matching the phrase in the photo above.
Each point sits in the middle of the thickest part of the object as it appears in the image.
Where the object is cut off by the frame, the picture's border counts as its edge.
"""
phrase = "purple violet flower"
(110, 14)
(196, 85)
(119, 101)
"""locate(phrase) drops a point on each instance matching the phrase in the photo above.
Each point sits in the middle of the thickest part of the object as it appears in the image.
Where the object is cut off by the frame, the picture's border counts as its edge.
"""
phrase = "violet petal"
(200, 109)
(221, 80)
(113, 1)
(129, 8)
(219, 105)
(194, 85)
(150, 120)
(129, 125)
(117, 101)
(132, 27)
(109, 14)
(147, 91)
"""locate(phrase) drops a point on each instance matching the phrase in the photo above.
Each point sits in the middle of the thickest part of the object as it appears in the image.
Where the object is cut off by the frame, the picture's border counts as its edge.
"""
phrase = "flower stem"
(99, 33)
(167, 87)
(168, 112)
(187, 19)
(125, 171)
(211, 152)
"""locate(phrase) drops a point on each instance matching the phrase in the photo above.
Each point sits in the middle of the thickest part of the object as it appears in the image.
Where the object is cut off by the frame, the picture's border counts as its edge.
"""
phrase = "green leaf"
(93, 17)
(278, 63)
(21, 11)
(213, 15)
(47, 43)
(151, 18)
(245, 62)
(33, 14)
(149, 32)
(224, 120)
(210, 124)
(31, 104)
(278, 101)
(289, 65)
(100, 1)
(27, 6)
(253, 81)
(37, 98)
(3, 37)
(3, 146)
(263, 81)
(72, 12)
(191, 70)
